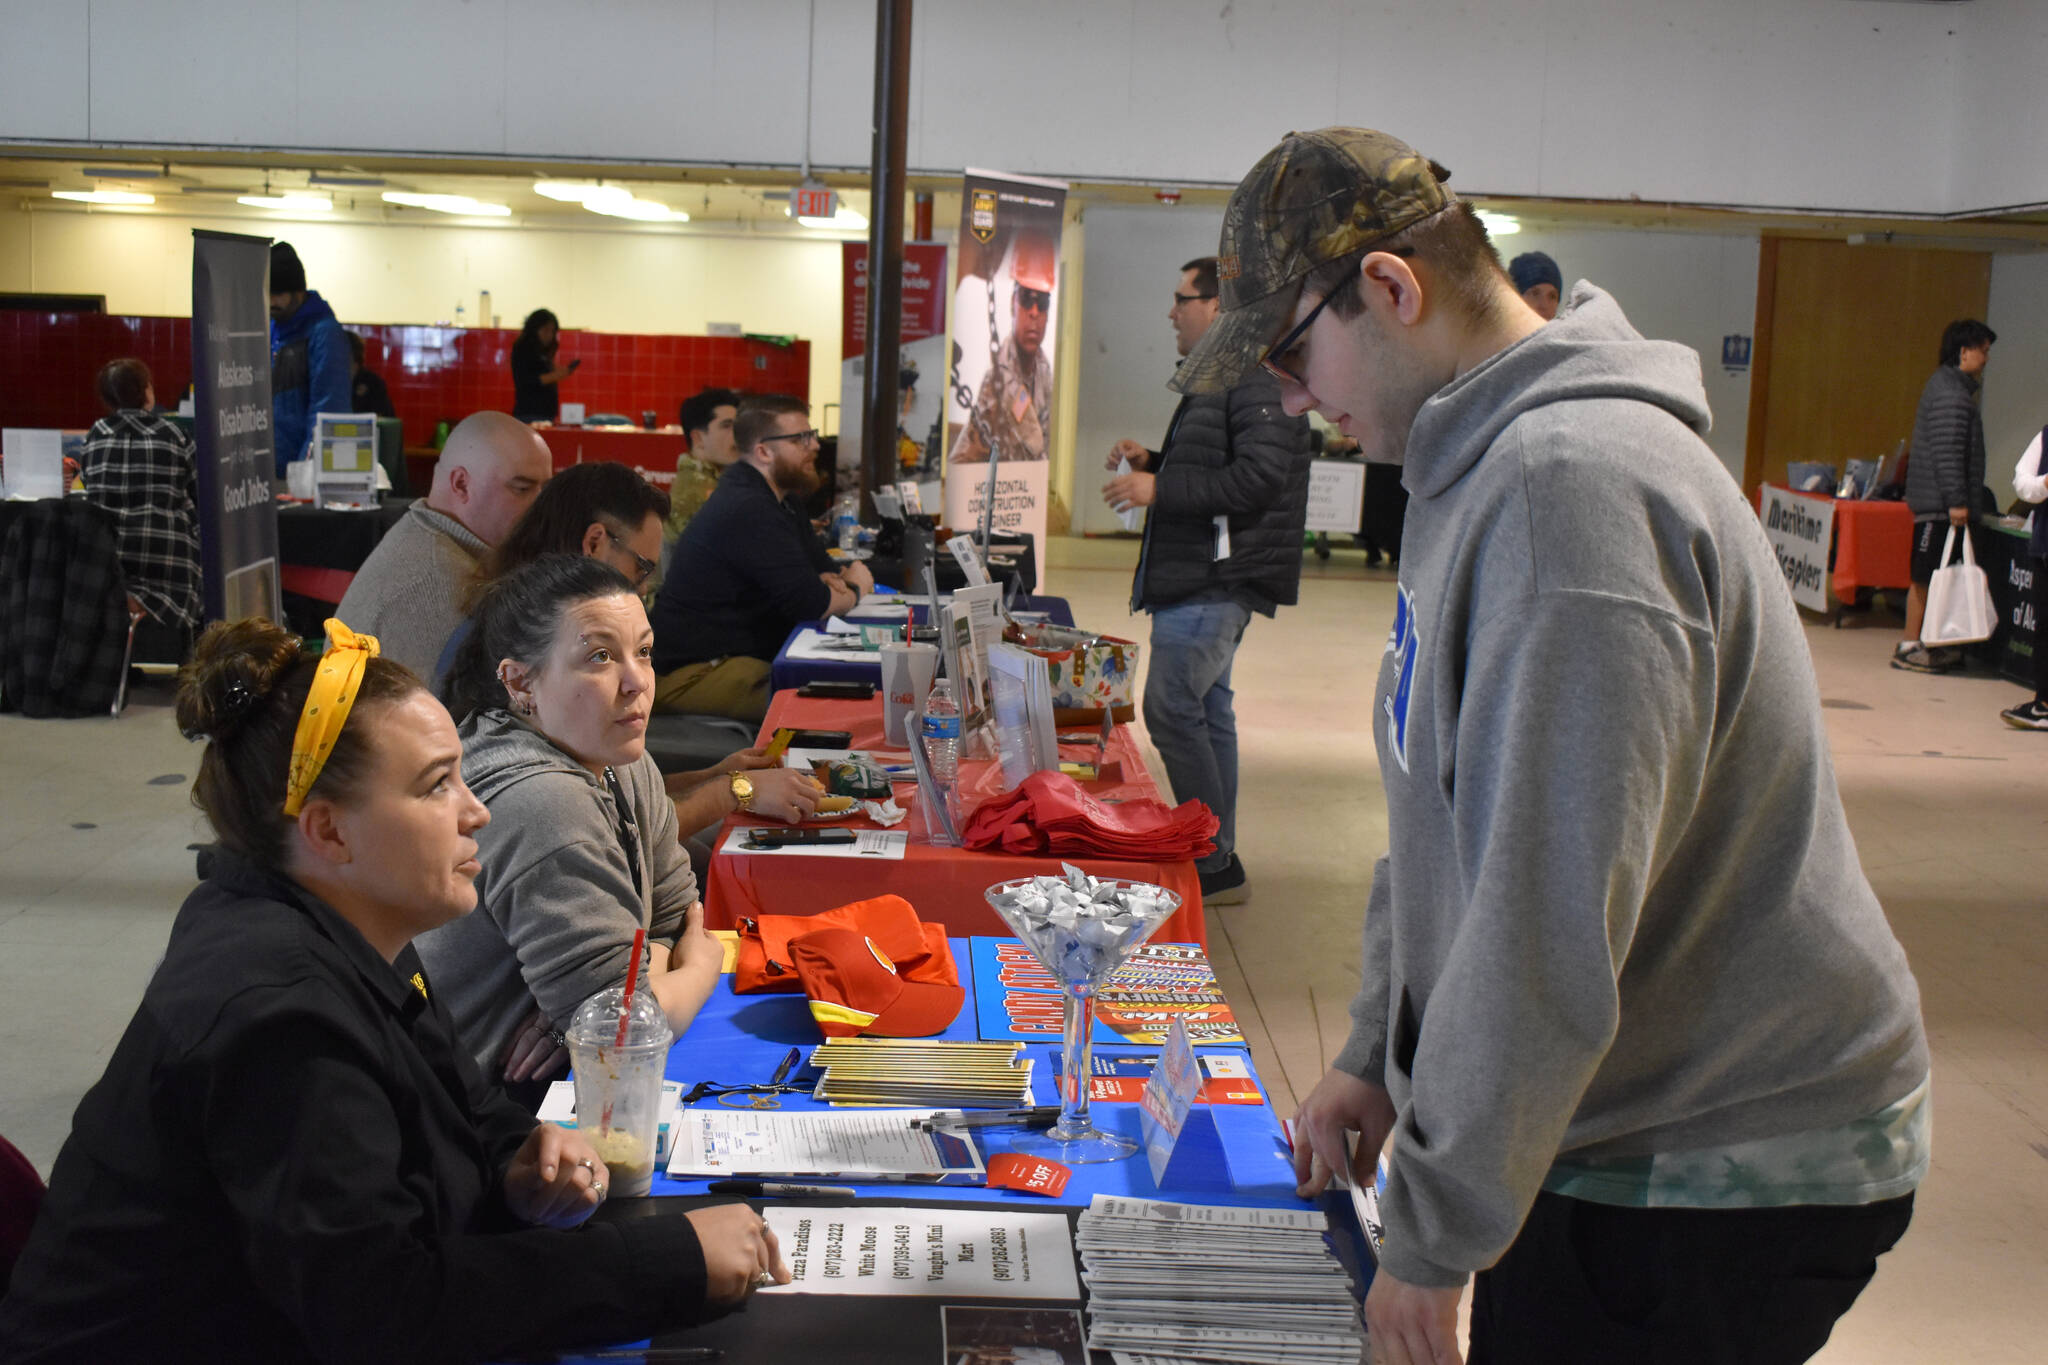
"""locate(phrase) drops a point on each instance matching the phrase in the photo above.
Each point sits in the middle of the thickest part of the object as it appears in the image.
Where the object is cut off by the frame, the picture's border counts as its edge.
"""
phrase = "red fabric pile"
(1050, 814)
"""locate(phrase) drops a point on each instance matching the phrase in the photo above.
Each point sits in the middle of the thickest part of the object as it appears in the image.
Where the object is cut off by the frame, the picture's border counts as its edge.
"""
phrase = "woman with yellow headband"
(290, 1156)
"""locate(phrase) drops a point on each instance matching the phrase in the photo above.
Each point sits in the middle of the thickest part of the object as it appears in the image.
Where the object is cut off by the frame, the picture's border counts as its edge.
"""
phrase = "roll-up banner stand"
(999, 403)
(231, 396)
(920, 419)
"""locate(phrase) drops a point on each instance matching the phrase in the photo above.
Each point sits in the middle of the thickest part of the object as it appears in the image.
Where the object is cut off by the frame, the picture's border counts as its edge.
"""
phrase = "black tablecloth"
(328, 538)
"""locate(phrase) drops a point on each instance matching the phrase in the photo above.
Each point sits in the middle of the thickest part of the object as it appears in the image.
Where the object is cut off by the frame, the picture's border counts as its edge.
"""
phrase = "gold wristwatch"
(742, 790)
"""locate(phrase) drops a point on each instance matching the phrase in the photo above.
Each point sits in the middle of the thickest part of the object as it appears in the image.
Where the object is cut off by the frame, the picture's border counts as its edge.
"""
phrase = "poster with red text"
(921, 392)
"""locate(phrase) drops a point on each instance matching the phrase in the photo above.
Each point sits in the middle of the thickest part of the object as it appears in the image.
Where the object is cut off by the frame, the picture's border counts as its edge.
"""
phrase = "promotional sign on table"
(1800, 530)
(933, 1252)
(1162, 984)
(999, 402)
(231, 389)
(1336, 496)
(1181, 1143)
(923, 358)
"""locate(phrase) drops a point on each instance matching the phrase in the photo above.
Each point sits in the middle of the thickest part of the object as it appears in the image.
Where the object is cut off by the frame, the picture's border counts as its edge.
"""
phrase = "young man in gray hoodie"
(1649, 1056)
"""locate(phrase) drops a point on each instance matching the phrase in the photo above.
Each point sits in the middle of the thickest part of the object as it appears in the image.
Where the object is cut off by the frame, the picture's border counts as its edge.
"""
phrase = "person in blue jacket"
(308, 357)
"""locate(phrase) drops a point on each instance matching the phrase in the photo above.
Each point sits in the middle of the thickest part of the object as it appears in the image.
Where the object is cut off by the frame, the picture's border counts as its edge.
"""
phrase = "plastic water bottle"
(942, 744)
(846, 521)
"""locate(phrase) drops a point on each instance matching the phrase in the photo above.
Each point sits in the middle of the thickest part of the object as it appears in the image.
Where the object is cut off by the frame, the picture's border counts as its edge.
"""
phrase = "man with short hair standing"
(748, 569)
(409, 591)
(309, 369)
(1228, 490)
(1944, 477)
(707, 418)
(1639, 1043)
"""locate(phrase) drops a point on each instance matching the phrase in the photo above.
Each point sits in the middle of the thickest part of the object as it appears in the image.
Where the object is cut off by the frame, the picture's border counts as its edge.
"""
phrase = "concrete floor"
(1949, 807)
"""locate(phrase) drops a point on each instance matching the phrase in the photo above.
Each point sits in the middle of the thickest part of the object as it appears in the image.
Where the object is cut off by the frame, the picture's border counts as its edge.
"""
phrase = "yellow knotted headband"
(335, 684)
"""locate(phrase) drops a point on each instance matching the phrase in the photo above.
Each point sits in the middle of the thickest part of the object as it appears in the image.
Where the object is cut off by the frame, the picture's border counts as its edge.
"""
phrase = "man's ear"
(1386, 280)
(458, 482)
(320, 830)
(593, 539)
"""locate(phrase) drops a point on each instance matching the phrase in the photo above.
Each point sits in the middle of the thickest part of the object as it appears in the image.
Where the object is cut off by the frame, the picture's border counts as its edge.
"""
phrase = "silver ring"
(584, 1162)
(597, 1188)
(556, 1034)
(764, 1279)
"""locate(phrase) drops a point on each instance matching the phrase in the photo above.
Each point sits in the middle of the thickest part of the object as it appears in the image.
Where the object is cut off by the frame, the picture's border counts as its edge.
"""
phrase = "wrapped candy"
(1081, 927)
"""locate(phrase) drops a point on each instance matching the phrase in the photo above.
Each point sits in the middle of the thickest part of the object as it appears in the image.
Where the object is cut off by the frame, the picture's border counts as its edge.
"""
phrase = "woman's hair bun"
(233, 670)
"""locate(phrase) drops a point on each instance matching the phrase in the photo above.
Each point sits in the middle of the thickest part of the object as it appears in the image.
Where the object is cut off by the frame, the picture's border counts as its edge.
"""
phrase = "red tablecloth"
(655, 451)
(945, 884)
(1873, 542)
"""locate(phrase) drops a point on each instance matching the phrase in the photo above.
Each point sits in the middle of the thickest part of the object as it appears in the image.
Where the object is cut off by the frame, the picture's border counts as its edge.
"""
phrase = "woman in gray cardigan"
(552, 691)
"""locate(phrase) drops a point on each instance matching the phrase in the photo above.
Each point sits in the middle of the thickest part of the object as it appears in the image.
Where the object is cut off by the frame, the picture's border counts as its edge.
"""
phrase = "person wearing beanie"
(309, 355)
(1539, 282)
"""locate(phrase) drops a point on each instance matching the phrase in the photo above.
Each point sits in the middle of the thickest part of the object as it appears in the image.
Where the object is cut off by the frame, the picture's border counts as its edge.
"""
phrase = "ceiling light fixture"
(616, 201)
(845, 220)
(567, 191)
(1499, 224)
(295, 203)
(104, 196)
(459, 204)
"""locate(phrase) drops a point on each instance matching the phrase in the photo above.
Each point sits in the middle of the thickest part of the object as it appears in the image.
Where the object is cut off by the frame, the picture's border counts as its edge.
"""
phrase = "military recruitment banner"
(920, 431)
(231, 397)
(999, 402)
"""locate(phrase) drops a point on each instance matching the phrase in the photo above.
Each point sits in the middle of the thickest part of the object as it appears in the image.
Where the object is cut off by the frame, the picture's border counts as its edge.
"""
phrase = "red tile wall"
(48, 361)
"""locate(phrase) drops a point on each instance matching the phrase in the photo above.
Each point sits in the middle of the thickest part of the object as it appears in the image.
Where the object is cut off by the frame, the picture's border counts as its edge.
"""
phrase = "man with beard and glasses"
(747, 570)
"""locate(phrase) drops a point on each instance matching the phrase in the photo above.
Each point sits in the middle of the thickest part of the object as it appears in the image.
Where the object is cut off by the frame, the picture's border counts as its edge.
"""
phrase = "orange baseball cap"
(854, 989)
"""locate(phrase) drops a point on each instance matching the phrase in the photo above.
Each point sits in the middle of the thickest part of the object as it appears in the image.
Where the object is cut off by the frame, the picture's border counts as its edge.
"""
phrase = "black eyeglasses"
(1271, 360)
(643, 566)
(1037, 300)
(807, 434)
(1183, 300)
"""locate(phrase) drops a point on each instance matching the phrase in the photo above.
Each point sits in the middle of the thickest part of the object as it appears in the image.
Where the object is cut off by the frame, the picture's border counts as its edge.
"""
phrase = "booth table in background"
(944, 884)
(1873, 545)
(2002, 554)
(649, 450)
(803, 660)
(319, 550)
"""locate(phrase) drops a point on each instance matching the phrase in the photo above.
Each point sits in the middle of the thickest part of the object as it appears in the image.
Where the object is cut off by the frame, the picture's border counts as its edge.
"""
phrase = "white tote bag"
(1959, 609)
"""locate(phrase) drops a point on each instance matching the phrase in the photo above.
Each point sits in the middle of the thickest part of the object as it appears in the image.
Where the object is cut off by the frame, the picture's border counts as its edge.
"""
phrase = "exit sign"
(813, 201)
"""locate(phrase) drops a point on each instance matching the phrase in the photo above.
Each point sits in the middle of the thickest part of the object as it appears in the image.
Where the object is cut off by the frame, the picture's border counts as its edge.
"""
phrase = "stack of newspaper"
(1188, 1282)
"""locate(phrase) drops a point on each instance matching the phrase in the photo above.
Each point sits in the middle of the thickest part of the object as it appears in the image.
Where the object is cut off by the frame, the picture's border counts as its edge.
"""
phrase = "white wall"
(1688, 287)
(1799, 103)
(1999, 156)
(387, 273)
(2016, 377)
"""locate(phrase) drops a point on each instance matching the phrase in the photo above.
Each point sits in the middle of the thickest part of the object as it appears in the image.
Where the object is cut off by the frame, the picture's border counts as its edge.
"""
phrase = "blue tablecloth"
(741, 1038)
(866, 666)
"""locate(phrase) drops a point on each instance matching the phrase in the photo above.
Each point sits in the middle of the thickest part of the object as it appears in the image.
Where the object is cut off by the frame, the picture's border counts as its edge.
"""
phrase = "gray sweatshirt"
(1621, 913)
(409, 591)
(557, 903)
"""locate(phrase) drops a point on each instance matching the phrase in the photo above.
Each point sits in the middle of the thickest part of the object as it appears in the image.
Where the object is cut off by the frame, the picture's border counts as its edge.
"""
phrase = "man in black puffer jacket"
(1944, 477)
(1229, 494)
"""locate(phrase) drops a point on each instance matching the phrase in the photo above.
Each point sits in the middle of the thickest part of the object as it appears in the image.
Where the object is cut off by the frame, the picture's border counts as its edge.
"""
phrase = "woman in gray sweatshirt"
(552, 691)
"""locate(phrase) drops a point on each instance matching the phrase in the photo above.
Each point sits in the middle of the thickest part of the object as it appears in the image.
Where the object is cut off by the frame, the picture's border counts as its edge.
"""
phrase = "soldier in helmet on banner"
(1013, 408)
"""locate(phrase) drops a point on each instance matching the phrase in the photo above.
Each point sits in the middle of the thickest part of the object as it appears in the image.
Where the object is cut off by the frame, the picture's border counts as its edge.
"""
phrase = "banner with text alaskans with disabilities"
(1801, 530)
(989, 1253)
(231, 398)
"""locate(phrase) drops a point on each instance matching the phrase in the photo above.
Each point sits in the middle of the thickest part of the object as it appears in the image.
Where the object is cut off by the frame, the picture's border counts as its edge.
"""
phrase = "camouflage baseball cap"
(1315, 198)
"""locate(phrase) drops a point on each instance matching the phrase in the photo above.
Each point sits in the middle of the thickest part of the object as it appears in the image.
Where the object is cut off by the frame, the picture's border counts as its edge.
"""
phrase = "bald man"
(409, 591)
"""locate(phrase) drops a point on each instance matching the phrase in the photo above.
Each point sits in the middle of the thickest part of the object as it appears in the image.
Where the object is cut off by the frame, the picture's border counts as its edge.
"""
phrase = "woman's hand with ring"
(537, 1051)
(739, 1250)
(556, 1180)
(786, 794)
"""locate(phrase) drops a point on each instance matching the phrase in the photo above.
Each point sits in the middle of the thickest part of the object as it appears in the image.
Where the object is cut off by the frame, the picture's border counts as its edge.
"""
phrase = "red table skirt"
(1873, 542)
(654, 451)
(944, 884)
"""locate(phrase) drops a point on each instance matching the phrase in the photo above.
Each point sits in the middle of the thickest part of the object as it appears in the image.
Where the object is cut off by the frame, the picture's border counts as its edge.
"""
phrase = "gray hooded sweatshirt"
(557, 903)
(1621, 913)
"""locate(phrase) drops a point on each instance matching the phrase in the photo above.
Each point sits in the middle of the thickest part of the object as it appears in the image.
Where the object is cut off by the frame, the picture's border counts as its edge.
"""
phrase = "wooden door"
(1846, 337)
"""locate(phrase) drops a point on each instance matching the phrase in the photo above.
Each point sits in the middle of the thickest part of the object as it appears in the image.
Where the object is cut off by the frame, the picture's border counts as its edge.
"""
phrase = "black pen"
(768, 1189)
(1041, 1117)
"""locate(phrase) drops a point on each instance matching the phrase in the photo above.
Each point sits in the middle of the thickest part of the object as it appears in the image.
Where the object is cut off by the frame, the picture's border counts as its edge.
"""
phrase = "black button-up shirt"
(744, 574)
(291, 1158)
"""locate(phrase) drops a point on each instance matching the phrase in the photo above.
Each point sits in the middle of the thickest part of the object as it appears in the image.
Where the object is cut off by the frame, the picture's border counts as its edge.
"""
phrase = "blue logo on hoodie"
(1401, 643)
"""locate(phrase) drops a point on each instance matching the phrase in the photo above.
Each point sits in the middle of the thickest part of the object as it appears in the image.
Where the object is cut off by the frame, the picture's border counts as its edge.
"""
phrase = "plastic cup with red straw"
(604, 1126)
